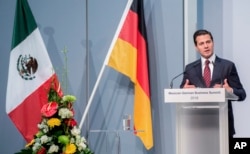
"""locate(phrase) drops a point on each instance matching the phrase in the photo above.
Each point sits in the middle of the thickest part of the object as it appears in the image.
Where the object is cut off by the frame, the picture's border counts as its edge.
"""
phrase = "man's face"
(205, 46)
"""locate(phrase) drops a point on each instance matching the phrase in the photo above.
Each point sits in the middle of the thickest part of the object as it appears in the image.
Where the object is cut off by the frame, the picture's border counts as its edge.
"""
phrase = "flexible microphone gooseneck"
(172, 81)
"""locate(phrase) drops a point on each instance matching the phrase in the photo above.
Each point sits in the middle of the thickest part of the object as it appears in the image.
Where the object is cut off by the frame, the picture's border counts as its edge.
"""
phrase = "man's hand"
(188, 85)
(225, 85)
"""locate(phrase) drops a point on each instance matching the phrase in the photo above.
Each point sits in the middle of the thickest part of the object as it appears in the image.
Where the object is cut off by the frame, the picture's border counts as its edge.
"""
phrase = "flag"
(30, 73)
(129, 57)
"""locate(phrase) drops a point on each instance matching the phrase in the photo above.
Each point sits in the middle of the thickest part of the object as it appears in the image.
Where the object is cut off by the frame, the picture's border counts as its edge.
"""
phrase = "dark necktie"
(207, 73)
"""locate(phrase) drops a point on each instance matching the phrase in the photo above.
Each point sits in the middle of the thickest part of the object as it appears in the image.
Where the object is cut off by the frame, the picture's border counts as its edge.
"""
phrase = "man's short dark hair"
(201, 32)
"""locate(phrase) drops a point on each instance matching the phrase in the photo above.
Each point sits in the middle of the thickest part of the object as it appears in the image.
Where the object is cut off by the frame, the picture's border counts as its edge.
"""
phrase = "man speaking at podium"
(211, 71)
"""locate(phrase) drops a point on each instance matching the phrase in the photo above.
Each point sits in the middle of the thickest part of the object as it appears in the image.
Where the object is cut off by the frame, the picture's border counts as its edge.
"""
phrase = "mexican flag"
(30, 74)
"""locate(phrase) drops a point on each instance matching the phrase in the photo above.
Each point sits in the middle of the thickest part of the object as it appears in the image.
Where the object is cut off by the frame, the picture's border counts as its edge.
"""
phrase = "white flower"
(80, 142)
(65, 113)
(36, 146)
(81, 146)
(44, 139)
(75, 131)
(72, 140)
(53, 148)
(43, 126)
(45, 130)
(78, 139)
(83, 139)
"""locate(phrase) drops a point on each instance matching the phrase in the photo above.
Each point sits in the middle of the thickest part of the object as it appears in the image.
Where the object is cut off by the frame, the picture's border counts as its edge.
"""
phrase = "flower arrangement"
(58, 132)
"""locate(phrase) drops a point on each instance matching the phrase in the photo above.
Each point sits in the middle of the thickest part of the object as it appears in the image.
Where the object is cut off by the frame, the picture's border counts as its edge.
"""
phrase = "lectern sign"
(194, 95)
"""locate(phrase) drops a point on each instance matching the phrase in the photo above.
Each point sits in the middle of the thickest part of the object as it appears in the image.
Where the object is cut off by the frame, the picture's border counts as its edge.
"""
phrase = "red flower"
(41, 151)
(71, 122)
(49, 109)
(73, 111)
(57, 86)
(59, 92)
(70, 105)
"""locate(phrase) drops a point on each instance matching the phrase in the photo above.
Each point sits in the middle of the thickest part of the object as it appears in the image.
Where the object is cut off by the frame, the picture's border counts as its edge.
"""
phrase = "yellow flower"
(70, 149)
(29, 144)
(54, 122)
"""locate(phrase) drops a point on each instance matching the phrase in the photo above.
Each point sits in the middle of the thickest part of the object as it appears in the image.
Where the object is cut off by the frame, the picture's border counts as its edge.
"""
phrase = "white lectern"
(201, 119)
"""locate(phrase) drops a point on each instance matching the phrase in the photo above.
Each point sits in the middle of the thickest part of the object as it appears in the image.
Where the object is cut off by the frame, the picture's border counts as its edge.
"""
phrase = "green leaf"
(25, 151)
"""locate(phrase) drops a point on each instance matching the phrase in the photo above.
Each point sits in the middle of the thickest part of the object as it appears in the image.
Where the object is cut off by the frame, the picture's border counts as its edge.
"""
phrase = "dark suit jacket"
(223, 69)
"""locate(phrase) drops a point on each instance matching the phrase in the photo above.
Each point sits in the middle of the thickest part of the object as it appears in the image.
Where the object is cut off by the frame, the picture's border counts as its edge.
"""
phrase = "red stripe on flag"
(131, 34)
(27, 115)
(130, 29)
(142, 65)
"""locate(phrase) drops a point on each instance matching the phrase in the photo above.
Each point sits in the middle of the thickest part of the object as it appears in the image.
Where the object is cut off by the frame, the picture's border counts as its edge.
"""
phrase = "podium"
(201, 119)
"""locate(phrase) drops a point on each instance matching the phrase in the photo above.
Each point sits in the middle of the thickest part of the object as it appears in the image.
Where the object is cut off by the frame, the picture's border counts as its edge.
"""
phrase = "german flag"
(129, 57)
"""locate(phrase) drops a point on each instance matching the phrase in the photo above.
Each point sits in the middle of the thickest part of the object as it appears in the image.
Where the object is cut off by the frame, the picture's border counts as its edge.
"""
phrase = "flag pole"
(127, 8)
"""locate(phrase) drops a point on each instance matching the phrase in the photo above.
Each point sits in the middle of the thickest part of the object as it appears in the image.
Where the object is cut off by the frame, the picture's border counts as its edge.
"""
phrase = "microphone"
(172, 81)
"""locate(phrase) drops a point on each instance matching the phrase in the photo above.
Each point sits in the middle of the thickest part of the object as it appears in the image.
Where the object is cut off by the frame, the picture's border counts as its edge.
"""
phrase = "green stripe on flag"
(24, 23)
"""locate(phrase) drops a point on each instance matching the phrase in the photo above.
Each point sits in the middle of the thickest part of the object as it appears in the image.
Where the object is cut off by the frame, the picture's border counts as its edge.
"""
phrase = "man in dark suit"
(223, 72)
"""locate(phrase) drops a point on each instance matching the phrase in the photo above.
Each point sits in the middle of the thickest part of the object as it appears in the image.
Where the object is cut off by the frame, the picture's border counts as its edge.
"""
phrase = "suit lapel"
(200, 82)
(216, 77)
